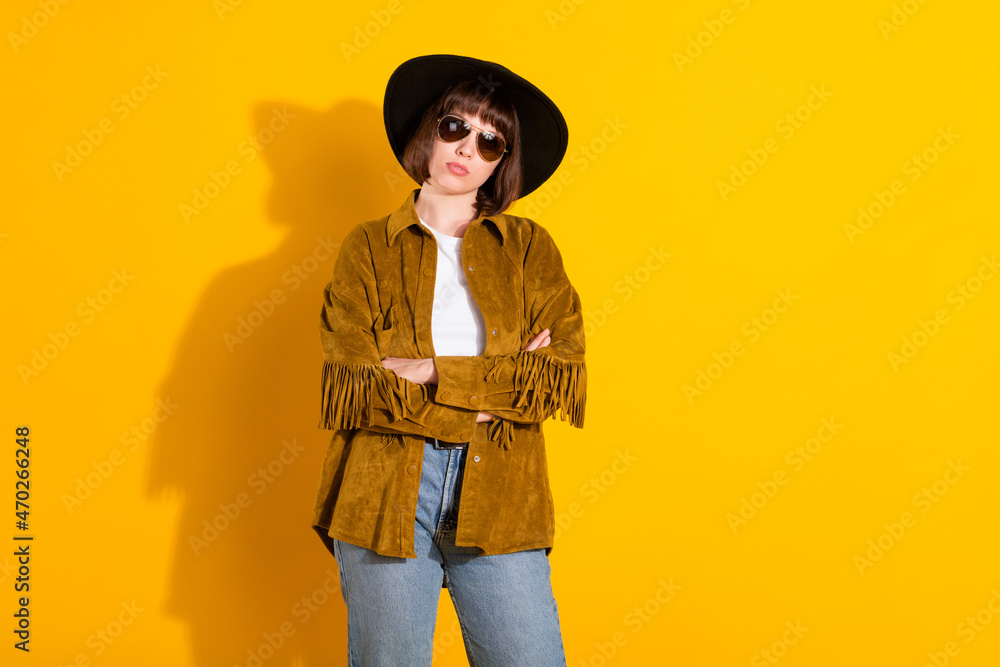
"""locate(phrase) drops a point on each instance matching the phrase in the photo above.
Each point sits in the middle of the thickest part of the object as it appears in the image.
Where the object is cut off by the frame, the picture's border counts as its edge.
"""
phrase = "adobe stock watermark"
(627, 287)
(31, 24)
(901, 13)
(927, 329)
(105, 636)
(923, 500)
(88, 309)
(714, 27)
(122, 107)
(303, 610)
(224, 7)
(786, 126)
(797, 457)
(635, 620)
(264, 308)
(364, 34)
(248, 149)
(7, 569)
(968, 630)
(779, 649)
(259, 481)
(104, 468)
(914, 167)
(593, 489)
(580, 159)
(752, 329)
(562, 12)
(445, 639)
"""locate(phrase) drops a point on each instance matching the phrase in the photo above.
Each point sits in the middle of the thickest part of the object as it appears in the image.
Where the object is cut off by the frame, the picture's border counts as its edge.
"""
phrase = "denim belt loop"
(440, 444)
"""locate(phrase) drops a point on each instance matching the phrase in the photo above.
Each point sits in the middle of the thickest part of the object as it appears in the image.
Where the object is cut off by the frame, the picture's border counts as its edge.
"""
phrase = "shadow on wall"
(243, 450)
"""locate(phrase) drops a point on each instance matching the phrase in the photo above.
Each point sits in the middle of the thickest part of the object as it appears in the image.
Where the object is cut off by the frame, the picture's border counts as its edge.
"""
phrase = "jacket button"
(428, 271)
(494, 332)
(470, 268)
(421, 335)
(412, 469)
(444, 395)
(476, 459)
(474, 400)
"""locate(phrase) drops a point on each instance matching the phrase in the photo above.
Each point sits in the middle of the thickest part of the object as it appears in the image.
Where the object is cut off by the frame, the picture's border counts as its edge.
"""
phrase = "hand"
(540, 340)
(421, 371)
(416, 370)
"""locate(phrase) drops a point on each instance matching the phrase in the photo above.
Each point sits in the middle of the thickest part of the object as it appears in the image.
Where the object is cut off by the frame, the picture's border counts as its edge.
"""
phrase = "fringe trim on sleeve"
(502, 431)
(389, 438)
(559, 385)
(347, 394)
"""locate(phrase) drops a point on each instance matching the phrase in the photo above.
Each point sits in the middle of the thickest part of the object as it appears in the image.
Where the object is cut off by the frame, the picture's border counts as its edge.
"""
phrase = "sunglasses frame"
(479, 131)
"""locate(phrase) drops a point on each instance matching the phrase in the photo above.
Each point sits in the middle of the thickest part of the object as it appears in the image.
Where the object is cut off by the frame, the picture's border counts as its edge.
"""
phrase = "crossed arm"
(391, 395)
(423, 371)
(446, 396)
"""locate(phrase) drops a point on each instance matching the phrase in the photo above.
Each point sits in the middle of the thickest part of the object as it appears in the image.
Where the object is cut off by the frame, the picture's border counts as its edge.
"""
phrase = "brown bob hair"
(472, 98)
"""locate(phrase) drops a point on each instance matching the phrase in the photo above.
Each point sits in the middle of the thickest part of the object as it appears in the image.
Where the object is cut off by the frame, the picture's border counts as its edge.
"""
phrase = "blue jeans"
(504, 603)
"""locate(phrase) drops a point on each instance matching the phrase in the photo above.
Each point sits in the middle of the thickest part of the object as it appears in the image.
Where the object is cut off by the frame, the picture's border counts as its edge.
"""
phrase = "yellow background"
(651, 138)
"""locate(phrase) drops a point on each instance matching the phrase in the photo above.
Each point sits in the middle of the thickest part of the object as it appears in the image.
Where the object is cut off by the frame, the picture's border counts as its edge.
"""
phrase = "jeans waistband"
(441, 444)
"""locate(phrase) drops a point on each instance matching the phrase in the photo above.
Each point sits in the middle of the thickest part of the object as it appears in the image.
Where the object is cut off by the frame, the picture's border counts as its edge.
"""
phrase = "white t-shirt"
(457, 326)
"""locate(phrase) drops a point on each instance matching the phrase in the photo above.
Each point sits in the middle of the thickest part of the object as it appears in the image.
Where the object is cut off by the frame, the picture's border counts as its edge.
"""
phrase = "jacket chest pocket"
(384, 329)
(395, 336)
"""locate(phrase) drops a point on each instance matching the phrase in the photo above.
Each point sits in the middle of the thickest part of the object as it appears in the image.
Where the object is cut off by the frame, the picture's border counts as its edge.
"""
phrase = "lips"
(457, 169)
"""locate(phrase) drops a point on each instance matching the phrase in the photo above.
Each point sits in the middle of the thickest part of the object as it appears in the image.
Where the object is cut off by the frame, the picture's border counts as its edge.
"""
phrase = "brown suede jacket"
(378, 304)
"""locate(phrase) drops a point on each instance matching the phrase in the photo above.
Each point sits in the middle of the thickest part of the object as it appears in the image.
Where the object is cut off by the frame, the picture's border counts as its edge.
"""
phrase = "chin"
(456, 185)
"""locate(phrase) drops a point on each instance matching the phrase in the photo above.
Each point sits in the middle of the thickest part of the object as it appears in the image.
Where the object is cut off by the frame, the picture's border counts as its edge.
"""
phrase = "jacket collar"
(406, 215)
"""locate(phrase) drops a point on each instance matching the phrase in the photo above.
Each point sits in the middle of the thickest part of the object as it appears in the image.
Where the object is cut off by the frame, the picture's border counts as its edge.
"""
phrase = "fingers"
(540, 340)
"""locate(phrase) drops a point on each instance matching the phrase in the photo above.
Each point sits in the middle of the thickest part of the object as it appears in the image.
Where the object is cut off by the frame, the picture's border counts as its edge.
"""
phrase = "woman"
(450, 332)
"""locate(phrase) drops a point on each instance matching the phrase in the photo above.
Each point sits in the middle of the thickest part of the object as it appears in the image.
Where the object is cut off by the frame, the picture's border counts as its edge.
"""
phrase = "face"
(457, 167)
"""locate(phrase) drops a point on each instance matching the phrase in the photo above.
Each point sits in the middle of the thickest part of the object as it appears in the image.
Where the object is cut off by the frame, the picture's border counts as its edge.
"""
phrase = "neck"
(445, 212)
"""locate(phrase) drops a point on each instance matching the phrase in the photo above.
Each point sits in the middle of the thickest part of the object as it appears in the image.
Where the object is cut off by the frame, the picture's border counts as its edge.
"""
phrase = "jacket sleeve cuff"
(522, 387)
(461, 381)
(431, 419)
(368, 396)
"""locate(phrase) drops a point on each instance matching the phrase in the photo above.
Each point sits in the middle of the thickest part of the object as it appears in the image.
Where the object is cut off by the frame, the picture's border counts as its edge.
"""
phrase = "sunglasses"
(489, 144)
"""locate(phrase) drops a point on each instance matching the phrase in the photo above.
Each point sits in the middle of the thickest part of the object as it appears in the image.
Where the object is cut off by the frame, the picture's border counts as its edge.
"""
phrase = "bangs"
(471, 99)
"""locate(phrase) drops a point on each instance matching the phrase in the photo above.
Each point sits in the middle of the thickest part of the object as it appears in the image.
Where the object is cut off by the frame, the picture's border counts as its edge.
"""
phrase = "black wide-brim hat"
(420, 81)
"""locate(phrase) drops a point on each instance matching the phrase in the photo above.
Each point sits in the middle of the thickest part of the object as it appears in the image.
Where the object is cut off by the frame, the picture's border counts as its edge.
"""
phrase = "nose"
(467, 145)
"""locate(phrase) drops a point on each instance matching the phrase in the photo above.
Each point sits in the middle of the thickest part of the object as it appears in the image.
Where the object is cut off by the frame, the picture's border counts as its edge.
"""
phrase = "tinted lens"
(490, 146)
(452, 129)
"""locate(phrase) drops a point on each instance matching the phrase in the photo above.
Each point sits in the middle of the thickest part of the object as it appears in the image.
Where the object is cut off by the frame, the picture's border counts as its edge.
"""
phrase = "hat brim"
(420, 81)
